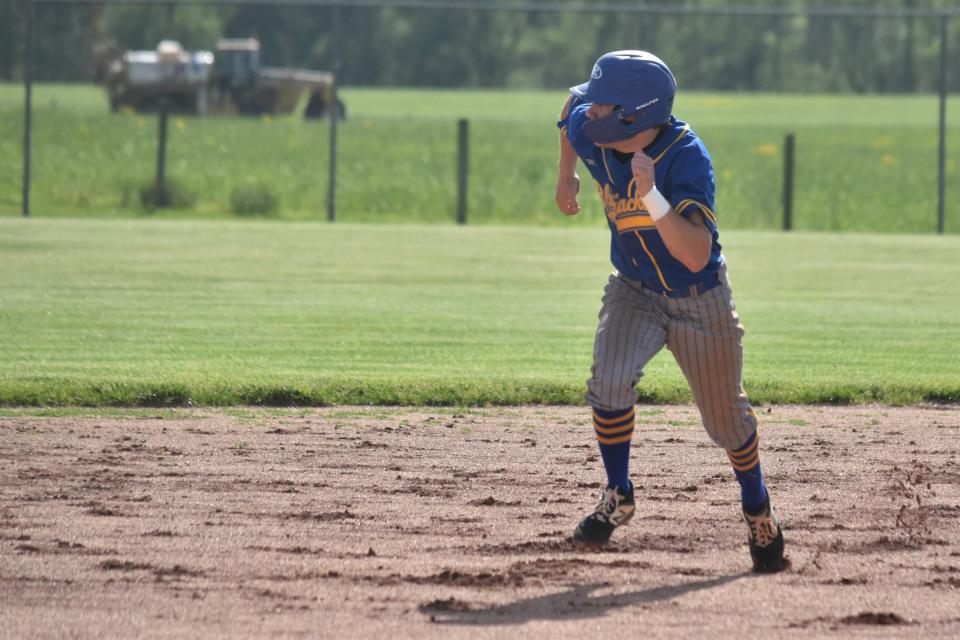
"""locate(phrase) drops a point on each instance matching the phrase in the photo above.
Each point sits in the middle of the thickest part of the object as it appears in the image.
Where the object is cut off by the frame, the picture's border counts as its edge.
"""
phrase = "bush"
(174, 196)
(253, 200)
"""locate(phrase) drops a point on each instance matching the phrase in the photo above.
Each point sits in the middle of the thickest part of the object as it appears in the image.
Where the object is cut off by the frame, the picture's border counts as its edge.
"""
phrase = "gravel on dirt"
(360, 522)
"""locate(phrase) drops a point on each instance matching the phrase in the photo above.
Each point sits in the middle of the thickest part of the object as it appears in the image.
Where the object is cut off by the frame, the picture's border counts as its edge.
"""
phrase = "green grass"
(864, 163)
(73, 411)
(176, 312)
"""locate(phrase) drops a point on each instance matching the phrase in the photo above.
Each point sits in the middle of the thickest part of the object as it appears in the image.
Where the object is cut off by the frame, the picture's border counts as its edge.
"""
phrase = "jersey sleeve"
(692, 184)
(572, 125)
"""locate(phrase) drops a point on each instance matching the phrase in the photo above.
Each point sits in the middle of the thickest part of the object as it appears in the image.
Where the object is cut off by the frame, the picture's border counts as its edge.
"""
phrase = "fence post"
(463, 156)
(161, 198)
(788, 182)
(334, 117)
(942, 159)
(27, 109)
(332, 166)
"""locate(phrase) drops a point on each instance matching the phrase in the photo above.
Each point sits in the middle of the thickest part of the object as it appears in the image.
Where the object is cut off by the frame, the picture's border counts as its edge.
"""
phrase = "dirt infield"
(399, 523)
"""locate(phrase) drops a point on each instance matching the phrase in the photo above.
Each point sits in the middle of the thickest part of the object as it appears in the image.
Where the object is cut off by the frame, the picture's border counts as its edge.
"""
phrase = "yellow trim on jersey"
(617, 420)
(603, 154)
(626, 213)
(686, 128)
(703, 208)
(618, 440)
(627, 222)
(653, 260)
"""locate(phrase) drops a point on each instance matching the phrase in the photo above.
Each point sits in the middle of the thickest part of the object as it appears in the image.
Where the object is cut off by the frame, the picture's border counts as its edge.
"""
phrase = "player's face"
(597, 111)
(630, 145)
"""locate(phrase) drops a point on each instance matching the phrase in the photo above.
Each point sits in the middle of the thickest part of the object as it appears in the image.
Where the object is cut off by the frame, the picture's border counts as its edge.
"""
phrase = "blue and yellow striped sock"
(614, 430)
(746, 466)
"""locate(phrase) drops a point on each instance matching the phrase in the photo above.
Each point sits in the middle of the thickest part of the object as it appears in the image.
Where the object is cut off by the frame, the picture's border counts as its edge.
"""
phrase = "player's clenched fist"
(643, 171)
(567, 189)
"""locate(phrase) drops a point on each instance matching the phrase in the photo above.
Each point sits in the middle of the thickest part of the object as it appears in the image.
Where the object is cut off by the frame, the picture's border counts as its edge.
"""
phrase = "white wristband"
(656, 204)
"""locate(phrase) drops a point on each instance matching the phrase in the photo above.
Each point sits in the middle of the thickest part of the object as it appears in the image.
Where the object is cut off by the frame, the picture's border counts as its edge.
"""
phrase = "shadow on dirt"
(577, 603)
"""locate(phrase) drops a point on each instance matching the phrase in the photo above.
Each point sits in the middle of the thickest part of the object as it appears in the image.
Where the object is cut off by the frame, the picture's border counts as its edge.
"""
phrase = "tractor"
(227, 81)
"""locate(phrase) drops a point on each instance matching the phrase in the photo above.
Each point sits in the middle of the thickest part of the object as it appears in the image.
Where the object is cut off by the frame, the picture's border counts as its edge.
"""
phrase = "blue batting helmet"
(641, 87)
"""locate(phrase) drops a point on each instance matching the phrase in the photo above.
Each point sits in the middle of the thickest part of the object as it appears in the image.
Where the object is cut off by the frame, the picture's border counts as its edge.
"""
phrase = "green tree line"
(393, 46)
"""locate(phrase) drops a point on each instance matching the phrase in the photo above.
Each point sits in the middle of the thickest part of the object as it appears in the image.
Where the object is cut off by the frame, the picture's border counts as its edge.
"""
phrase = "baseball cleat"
(766, 540)
(615, 508)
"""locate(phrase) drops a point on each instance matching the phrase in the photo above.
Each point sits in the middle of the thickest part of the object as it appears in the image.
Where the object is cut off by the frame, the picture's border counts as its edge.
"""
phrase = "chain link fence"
(861, 88)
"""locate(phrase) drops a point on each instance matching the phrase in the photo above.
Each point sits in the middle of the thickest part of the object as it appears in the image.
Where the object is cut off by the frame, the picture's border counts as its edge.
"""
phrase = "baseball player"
(670, 288)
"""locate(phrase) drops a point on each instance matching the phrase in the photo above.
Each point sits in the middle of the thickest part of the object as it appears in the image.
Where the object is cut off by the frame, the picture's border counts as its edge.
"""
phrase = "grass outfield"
(864, 163)
(174, 312)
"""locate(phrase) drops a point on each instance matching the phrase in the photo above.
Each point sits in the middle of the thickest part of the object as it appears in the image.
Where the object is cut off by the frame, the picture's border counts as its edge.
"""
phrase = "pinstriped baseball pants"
(704, 334)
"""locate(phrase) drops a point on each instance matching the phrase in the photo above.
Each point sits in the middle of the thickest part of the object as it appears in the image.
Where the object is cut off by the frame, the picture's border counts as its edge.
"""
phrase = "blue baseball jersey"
(683, 174)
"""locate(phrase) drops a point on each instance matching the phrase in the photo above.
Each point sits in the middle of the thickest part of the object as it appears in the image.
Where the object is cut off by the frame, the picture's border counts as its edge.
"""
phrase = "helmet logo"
(597, 72)
(648, 103)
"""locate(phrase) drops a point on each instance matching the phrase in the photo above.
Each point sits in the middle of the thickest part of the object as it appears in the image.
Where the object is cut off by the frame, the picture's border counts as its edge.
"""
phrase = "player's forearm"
(687, 241)
(568, 182)
(568, 157)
